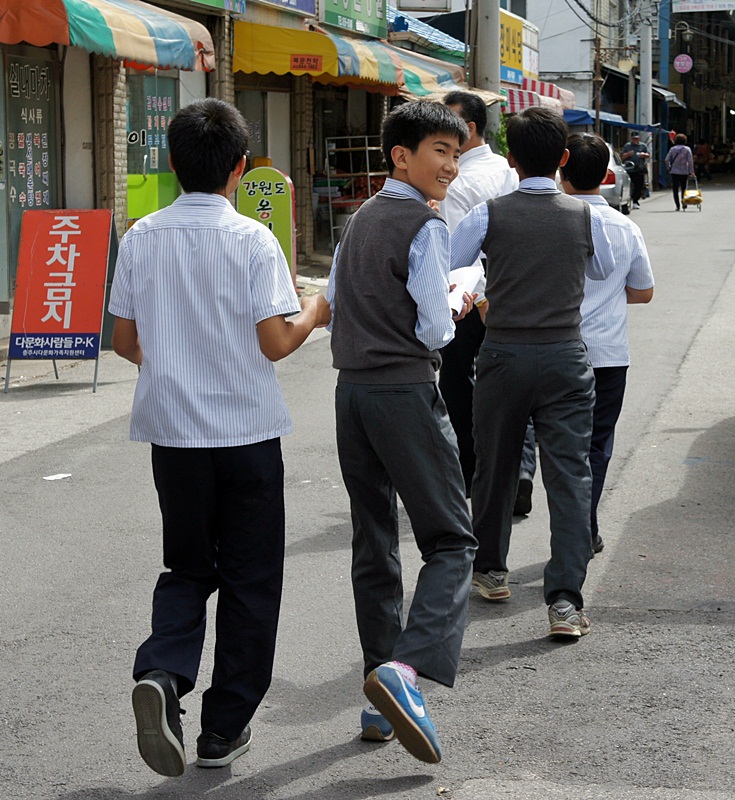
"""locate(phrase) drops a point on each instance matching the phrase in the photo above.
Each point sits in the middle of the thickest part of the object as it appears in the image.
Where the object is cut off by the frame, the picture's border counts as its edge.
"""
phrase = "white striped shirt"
(428, 273)
(197, 277)
(605, 307)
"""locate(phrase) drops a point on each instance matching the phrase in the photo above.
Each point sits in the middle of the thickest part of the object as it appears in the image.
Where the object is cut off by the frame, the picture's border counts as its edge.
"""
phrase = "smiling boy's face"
(433, 166)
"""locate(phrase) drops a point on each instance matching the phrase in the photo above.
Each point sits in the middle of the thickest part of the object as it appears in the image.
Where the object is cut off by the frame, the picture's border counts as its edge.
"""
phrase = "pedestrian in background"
(680, 164)
(533, 363)
(482, 176)
(389, 289)
(604, 326)
(635, 157)
(201, 295)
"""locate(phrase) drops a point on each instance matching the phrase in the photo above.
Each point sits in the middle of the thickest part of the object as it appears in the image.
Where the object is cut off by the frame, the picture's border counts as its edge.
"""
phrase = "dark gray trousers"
(398, 439)
(553, 384)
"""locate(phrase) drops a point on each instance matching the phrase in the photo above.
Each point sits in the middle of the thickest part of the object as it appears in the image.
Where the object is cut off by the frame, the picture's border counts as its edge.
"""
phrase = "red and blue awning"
(128, 30)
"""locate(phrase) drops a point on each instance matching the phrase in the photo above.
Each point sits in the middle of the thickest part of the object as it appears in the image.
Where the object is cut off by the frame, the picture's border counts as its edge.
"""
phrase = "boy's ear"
(564, 158)
(398, 154)
(512, 163)
(171, 164)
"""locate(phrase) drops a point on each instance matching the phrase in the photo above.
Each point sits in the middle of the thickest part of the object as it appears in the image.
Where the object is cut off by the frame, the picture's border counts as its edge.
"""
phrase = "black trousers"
(609, 391)
(223, 530)
(678, 187)
(637, 180)
(457, 384)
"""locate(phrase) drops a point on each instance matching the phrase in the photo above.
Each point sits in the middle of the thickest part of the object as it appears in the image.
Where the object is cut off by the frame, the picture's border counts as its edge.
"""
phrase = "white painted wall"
(192, 86)
(278, 120)
(79, 151)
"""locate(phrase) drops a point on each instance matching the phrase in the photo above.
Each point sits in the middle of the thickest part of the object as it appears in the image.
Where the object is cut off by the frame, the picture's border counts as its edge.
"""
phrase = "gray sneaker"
(566, 620)
(160, 737)
(492, 585)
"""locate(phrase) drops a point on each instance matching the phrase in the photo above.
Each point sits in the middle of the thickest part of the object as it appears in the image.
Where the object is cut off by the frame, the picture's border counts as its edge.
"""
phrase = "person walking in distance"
(680, 164)
(533, 363)
(202, 298)
(482, 176)
(635, 157)
(389, 290)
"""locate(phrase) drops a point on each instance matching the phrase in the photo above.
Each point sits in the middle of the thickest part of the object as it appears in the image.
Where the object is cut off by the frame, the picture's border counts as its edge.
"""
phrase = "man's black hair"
(206, 140)
(473, 108)
(409, 124)
(588, 161)
(537, 138)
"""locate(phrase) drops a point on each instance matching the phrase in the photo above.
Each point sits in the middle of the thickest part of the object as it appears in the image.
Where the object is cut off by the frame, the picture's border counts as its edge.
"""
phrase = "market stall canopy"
(360, 63)
(544, 89)
(128, 30)
(586, 116)
(518, 100)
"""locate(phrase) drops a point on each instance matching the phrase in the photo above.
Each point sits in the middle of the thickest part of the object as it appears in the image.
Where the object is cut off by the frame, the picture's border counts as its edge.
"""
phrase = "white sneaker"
(636, 205)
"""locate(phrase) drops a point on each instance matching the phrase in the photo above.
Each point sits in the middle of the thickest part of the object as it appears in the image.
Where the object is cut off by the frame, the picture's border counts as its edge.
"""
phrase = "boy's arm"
(278, 337)
(639, 295)
(125, 341)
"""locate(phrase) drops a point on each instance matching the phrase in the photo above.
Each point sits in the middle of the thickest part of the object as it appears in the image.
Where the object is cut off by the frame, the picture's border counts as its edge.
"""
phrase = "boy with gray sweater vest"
(389, 291)
(539, 245)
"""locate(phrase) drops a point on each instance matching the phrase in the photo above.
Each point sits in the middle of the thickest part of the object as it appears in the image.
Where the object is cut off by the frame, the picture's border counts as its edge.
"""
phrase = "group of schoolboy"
(204, 304)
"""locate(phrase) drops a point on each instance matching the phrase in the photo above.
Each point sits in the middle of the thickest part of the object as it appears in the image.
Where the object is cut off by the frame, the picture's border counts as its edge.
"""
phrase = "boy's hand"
(320, 305)
(467, 303)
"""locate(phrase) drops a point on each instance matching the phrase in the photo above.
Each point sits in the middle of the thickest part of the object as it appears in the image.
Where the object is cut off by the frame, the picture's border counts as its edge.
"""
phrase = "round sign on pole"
(683, 63)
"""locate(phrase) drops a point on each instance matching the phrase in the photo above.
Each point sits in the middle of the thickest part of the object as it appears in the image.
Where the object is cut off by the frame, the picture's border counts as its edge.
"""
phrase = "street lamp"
(686, 33)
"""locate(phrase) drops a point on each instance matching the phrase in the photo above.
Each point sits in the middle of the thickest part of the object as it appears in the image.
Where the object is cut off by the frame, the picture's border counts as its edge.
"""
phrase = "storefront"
(63, 139)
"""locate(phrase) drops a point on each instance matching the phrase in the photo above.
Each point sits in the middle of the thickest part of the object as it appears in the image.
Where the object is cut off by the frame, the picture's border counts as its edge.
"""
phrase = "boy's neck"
(399, 175)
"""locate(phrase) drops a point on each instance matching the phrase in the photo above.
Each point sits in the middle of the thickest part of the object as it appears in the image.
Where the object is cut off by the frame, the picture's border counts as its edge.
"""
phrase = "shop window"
(254, 107)
(152, 102)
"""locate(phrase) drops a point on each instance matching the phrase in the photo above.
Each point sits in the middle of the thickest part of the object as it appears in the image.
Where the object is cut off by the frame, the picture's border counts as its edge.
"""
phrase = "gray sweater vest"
(373, 338)
(537, 247)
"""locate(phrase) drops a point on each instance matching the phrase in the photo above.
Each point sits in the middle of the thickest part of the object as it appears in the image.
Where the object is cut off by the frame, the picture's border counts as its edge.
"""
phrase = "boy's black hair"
(473, 108)
(537, 138)
(588, 161)
(409, 124)
(206, 140)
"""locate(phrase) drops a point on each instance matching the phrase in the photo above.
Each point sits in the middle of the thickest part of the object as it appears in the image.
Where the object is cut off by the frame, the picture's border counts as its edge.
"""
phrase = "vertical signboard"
(59, 299)
(266, 194)
(31, 150)
(511, 48)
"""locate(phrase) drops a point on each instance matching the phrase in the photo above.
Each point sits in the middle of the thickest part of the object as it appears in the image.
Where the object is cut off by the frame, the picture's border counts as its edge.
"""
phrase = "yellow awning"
(265, 48)
(362, 63)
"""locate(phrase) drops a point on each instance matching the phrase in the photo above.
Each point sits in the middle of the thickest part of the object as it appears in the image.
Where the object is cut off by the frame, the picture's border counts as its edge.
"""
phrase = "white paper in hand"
(468, 279)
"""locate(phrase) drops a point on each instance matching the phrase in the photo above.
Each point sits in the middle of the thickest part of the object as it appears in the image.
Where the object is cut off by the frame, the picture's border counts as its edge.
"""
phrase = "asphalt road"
(641, 708)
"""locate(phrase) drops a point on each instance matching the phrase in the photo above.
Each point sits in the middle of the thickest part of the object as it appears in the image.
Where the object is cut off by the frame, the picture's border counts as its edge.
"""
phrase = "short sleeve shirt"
(197, 277)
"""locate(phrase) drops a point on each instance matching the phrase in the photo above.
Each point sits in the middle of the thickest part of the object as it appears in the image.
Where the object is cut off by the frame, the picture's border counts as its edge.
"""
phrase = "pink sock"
(408, 672)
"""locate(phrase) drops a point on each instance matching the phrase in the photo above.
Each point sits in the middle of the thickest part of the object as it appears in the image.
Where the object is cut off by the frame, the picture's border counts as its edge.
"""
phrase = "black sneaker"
(522, 505)
(157, 718)
(214, 751)
(597, 544)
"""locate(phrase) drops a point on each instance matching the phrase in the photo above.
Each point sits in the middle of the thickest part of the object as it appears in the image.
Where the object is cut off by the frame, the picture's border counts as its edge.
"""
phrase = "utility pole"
(486, 55)
(646, 37)
(598, 83)
(646, 88)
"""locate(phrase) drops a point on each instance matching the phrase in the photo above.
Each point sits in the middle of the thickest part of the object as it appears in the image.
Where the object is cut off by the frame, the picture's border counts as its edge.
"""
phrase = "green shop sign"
(362, 16)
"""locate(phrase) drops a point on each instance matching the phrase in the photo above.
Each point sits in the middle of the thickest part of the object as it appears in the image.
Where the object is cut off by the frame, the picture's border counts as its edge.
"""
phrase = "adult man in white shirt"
(482, 175)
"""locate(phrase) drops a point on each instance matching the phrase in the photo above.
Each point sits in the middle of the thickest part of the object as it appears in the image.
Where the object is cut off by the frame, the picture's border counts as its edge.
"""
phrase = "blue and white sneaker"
(375, 727)
(403, 706)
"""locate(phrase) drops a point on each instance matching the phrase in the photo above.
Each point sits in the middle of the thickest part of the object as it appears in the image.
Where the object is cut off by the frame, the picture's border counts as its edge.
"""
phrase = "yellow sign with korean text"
(266, 194)
(511, 41)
